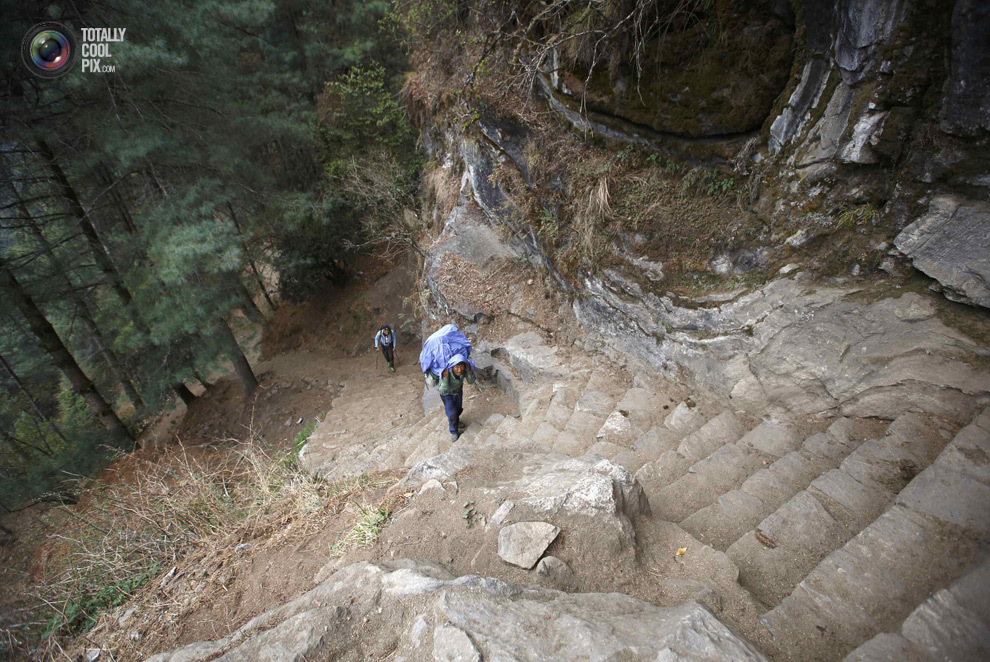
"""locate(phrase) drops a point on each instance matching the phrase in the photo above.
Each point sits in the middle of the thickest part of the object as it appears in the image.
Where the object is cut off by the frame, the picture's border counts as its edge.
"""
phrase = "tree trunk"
(52, 344)
(100, 254)
(83, 310)
(247, 254)
(233, 350)
(34, 404)
(248, 305)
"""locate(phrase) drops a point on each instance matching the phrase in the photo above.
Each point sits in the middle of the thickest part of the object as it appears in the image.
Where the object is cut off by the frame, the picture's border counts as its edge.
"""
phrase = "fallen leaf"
(681, 550)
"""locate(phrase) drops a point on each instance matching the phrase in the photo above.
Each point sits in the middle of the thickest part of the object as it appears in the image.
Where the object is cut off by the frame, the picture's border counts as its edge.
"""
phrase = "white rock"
(430, 485)
(523, 543)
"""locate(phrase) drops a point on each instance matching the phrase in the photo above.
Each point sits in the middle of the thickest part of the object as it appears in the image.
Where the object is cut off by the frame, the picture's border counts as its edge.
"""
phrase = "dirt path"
(306, 354)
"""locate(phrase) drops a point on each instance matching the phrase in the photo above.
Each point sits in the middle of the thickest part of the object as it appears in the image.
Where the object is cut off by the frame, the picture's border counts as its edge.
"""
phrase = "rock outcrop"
(951, 243)
(417, 611)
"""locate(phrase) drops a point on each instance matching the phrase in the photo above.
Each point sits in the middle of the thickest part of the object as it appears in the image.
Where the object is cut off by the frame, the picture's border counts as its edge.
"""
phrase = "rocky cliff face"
(867, 172)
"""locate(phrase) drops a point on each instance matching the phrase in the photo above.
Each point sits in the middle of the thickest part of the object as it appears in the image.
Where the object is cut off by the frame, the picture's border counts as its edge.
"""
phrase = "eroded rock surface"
(416, 611)
(951, 243)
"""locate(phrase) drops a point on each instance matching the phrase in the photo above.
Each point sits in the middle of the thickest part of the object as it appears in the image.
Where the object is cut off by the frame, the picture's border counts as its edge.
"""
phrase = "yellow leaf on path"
(681, 550)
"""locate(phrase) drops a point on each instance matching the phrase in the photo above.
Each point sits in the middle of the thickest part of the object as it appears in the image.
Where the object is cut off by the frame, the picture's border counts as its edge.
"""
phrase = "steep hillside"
(724, 266)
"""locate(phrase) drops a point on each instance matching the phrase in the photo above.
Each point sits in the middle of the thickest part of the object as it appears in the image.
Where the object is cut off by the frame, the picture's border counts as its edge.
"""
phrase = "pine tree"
(61, 357)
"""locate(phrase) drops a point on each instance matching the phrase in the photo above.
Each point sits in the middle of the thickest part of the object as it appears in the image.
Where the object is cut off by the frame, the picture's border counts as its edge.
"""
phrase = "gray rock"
(865, 136)
(789, 347)
(450, 644)
(555, 570)
(523, 543)
(966, 100)
(863, 27)
(951, 243)
(431, 485)
(469, 616)
(788, 124)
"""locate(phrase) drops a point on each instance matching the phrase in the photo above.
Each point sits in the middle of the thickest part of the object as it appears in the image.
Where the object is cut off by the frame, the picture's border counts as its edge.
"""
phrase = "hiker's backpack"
(442, 348)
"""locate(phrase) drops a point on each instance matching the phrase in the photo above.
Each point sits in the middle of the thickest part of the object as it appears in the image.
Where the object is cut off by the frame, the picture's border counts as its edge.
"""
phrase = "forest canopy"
(144, 211)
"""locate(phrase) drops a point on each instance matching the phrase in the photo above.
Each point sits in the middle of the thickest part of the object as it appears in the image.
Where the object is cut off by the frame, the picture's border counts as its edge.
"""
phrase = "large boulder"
(951, 243)
(418, 611)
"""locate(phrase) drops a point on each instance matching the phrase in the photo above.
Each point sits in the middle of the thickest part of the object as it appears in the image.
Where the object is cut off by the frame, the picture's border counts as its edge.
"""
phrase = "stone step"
(937, 529)
(630, 460)
(953, 624)
(534, 415)
(705, 481)
(684, 419)
(655, 441)
(488, 428)
(739, 511)
(545, 435)
(831, 510)
(583, 425)
(640, 406)
(604, 449)
(724, 470)
(671, 465)
(723, 429)
(594, 402)
(567, 443)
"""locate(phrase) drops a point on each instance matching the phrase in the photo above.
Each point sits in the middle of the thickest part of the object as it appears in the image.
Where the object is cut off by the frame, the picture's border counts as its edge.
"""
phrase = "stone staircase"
(840, 530)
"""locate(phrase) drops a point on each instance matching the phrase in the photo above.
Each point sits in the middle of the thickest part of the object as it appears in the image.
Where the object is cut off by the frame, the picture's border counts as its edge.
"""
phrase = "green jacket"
(451, 383)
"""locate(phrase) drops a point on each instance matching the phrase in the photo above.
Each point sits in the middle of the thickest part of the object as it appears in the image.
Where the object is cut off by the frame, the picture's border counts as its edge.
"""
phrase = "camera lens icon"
(49, 50)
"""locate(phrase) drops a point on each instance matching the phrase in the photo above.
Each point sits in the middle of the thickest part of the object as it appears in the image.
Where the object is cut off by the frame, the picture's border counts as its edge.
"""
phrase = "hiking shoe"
(462, 427)
(454, 436)
(391, 368)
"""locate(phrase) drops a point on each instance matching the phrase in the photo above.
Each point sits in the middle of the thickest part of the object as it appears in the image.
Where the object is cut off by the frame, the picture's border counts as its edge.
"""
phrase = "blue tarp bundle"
(446, 347)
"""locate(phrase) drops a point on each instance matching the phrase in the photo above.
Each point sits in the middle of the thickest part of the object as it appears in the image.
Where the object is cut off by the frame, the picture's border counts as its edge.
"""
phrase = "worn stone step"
(864, 483)
(936, 530)
(618, 428)
(833, 509)
(705, 481)
(583, 426)
(557, 415)
(567, 443)
(953, 624)
(488, 428)
(772, 438)
(655, 441)
(724, 469)
(723, 429)
(507, 427)
(654, 476)
(801, 533)
(545, 434)
(683, 419)
(739, 511)
(630, 460)
(594, 402)
(640, 406)
(671, 465)
(604, 449)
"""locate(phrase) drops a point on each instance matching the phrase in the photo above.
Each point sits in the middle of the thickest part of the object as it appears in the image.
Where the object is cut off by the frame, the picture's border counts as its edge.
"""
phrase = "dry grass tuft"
(132, 540)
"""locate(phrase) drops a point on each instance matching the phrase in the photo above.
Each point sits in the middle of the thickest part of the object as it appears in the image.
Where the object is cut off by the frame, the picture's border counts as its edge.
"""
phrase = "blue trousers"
(452, 406)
